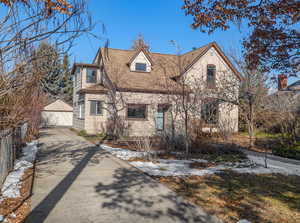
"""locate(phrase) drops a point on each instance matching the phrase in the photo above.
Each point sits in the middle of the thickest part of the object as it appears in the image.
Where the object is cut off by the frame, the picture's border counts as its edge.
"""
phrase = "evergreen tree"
(67, 83)
(56, 74)
(48, 64)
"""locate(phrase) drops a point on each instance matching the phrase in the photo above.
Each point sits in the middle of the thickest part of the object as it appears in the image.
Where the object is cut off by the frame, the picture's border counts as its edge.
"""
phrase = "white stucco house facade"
(145, 86)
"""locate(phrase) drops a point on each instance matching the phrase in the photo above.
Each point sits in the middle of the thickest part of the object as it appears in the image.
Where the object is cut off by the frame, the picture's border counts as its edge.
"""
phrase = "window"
(211, 76)
(140, 67)
(96, 108)
(81, 110)
(91, 75)
(136, 111)
(209, 111)
(76, 76)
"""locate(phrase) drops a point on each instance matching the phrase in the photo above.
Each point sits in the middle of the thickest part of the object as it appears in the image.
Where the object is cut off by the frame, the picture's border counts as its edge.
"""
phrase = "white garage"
(57, 113)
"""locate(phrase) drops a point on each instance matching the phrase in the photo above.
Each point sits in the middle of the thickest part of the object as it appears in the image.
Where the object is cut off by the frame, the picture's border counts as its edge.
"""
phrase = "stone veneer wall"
(95, 123)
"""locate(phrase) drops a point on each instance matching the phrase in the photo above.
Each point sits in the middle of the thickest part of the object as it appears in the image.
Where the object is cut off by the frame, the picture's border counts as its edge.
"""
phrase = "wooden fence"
(10, 145)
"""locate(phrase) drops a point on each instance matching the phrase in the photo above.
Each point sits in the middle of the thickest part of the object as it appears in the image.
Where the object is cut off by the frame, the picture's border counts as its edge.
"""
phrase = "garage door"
(57, 118)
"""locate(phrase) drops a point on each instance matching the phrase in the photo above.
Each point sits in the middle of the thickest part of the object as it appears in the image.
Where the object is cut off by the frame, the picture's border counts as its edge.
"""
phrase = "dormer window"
(91, 75)
(140, 67)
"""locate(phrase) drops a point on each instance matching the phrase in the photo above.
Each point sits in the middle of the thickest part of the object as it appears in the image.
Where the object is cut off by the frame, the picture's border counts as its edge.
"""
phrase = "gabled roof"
(98, 88)
(116, 67)
(137, 53)
(294, 86)
(58, 105)
(198, 53)
(164, 67)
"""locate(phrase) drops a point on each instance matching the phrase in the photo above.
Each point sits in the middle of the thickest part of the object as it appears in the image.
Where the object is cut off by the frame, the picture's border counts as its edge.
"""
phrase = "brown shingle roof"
(164, 67)
(158, 80)
(75, 65)
(94, 89)
(294, 86)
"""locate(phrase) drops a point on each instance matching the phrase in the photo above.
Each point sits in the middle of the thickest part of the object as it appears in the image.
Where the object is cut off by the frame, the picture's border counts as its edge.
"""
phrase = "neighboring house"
(57, 113)
(140, 79)
(286, 98)
(291, 91)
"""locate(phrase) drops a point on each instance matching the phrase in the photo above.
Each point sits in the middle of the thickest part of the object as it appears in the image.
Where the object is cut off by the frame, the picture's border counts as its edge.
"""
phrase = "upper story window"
(91, 75)
(140, 67)
(211, 76)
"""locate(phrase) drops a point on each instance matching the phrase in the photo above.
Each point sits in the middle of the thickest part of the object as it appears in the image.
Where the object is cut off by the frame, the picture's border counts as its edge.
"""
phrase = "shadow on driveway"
(139, 195)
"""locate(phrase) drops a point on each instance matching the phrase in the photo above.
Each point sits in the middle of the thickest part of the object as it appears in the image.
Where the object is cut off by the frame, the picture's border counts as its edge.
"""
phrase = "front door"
(160, 116)
(160, 119)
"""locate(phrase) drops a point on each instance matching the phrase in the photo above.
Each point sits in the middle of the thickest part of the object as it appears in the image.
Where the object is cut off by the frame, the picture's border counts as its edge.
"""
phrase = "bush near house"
(292, 151)
(95, 138)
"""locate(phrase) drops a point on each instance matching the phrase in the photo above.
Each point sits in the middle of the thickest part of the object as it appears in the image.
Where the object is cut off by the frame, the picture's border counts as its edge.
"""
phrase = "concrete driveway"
(78, 182)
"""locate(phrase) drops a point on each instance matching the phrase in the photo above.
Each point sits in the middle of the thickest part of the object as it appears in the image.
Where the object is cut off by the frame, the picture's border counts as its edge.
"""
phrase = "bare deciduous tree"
(23, 26)
(139, 43)
(189, 92)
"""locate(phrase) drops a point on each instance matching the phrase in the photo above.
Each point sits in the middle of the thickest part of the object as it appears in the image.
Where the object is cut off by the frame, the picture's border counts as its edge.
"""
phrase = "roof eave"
(83, 65)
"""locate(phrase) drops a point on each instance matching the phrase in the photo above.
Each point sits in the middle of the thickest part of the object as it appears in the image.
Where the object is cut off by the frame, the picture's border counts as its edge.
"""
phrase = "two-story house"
(144, 82)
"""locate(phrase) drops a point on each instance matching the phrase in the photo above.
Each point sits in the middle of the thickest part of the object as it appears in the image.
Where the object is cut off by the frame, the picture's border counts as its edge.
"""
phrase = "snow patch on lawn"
(12, 183)
(124, 154)
(175, 168)
(182, 167)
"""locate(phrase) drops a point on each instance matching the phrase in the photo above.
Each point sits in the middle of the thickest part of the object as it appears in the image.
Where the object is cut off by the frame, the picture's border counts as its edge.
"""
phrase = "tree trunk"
(186, 135)
(251, 126)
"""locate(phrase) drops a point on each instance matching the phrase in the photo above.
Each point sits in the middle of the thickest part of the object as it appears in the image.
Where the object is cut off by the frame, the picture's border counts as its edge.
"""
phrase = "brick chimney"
(282, 82)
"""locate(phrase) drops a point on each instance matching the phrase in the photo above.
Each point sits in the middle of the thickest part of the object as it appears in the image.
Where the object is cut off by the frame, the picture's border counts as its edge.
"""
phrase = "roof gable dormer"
(140, 62)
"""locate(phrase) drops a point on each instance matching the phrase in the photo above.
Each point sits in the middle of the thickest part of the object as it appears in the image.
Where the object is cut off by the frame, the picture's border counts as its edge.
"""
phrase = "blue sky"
(158, 20)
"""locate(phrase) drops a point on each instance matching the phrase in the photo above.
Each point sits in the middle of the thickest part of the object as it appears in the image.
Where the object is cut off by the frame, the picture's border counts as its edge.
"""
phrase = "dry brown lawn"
(231, 196)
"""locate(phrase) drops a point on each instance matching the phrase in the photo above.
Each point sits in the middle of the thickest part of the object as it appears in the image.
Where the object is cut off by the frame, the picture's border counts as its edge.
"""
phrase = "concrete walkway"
(289, 166)
(78, 182)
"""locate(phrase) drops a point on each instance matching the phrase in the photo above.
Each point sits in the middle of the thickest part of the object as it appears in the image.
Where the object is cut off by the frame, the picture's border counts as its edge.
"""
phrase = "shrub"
(82, 133)
(73, 130)
(101, 134)
(292, 152)
(171, 142)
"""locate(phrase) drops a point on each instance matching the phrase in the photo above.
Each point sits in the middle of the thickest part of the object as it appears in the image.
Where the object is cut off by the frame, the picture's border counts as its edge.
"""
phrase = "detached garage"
(57, 113)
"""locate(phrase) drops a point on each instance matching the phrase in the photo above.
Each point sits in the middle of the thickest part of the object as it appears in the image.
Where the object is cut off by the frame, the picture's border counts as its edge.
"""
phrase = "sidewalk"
(78, 182)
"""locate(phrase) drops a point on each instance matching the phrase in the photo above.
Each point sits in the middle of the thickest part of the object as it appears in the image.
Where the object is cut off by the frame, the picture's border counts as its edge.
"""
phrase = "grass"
(220, 158)
(91, 138)
(262, 135)
(232, 196)
(289, 151)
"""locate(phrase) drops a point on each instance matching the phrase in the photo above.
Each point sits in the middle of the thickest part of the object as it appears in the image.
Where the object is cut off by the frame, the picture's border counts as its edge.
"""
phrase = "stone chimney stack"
(282, 82)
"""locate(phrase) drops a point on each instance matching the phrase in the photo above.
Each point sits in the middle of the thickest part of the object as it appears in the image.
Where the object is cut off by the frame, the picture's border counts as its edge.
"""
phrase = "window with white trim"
(81, 110)
(141, 67)
(76, 76)
(96, 107)
(91, 75)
